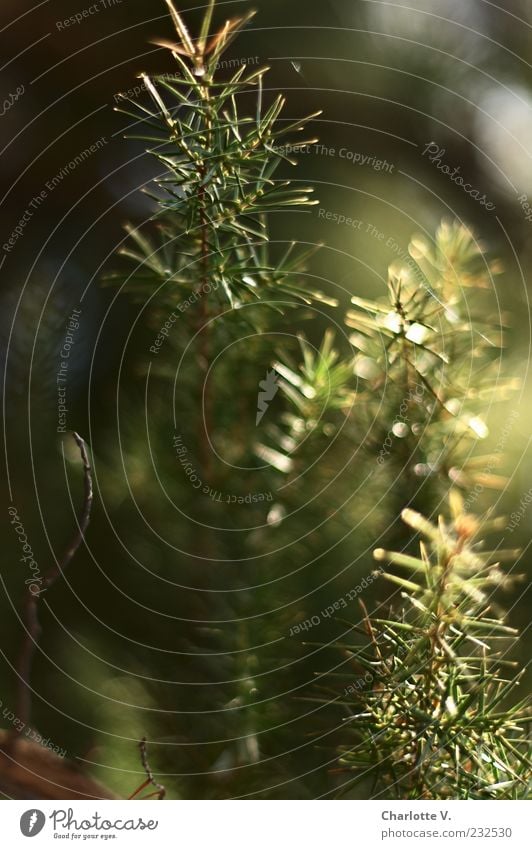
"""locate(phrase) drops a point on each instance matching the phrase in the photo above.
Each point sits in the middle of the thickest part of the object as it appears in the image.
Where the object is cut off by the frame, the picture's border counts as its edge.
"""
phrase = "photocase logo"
(269, 388)
(32, 822)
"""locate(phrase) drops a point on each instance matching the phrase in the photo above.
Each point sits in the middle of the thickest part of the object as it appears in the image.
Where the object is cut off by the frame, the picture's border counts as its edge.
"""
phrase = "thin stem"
(31, 604)
(205, 353)
(150, 779)
(83, 523)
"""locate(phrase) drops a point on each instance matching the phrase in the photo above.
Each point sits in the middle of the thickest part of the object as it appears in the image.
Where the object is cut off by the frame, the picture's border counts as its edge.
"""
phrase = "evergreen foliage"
(434, 718)
(237, 414)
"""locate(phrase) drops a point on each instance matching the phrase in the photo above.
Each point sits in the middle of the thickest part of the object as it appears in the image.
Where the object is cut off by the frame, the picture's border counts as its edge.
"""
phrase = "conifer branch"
(435, 720)
(436, 710)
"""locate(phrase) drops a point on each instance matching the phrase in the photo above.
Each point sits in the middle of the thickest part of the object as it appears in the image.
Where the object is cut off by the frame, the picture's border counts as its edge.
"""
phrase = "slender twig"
(206, 453)
(161, 790)
(60, 567)
(31, 604)
(205, 448)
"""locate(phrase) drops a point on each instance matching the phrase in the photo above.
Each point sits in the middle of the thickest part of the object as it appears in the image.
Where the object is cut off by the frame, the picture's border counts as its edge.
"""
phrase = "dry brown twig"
(150, 779)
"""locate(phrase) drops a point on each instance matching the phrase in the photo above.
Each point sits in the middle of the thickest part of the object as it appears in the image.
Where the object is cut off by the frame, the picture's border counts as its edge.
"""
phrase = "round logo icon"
(32, 822)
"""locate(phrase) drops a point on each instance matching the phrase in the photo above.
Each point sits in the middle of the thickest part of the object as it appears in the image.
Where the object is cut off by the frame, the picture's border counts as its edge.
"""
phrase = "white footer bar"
(268, 824)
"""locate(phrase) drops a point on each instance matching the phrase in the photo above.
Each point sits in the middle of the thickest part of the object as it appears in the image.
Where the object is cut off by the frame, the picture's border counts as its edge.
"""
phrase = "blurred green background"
(391, 80)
